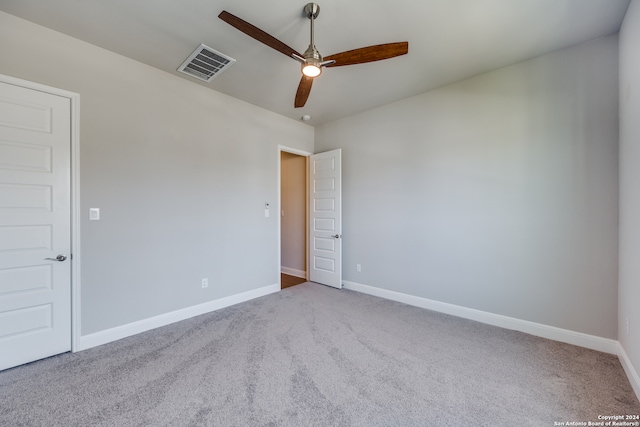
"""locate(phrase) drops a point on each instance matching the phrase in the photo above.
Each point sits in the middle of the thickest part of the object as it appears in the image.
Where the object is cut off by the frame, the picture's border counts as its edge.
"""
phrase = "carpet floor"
(316, 356)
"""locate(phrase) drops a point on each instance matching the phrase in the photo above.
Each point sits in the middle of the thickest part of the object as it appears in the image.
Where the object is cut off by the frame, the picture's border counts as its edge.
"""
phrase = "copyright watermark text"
(604, 421)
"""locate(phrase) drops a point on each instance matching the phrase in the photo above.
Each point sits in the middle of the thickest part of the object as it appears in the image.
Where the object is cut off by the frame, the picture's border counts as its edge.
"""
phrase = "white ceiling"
(449, 40)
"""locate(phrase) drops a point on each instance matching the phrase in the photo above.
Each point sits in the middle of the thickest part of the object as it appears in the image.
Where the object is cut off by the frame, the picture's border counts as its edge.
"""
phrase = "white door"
(35, 225)
(325, 189)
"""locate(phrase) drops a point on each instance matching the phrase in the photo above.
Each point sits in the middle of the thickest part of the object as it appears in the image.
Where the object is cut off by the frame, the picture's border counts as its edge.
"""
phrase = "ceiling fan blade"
(304, 88)
(257, 33)
(369, 54)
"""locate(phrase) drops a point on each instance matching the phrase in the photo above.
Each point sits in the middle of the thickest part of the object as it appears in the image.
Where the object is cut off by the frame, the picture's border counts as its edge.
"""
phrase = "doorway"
(316, 251)
(293, 218)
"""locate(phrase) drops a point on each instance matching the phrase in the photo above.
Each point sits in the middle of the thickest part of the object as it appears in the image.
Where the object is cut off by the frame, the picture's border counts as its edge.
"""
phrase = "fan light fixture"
(311, 70)
(312, 61)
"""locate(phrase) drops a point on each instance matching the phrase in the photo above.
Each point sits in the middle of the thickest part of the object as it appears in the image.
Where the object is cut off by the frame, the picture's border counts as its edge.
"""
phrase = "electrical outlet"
(205, 282)
(358, 268)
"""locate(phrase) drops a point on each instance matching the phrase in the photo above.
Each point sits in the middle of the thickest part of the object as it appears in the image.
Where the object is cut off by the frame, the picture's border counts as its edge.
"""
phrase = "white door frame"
(75, 197)
(283, 148)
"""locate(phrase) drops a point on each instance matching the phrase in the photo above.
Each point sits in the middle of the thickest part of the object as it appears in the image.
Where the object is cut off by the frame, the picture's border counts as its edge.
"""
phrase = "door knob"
(58, 258)
(337, 236)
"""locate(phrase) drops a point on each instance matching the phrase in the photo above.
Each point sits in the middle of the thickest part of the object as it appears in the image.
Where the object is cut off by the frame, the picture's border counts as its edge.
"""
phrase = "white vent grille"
(206, 63)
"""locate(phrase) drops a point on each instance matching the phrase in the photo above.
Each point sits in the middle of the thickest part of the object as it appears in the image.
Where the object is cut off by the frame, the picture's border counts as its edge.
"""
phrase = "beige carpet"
(315, 356)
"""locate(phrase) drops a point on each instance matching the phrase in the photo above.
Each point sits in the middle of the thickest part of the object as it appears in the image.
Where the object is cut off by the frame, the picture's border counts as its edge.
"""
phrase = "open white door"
(35, 225)
(325, 230)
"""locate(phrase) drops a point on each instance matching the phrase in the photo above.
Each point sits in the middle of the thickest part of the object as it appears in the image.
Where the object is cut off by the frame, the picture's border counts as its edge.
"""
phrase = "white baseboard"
(113, 334)
(551, 332)
(293, 272)
(632, 374)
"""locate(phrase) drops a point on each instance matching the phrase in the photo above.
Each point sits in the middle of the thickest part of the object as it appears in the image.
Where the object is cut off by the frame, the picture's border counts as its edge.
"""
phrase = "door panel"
(325, 188)
(35, 224)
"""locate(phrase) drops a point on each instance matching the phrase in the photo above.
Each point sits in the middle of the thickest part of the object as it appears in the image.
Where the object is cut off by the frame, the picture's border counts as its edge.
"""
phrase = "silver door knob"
(58, 258)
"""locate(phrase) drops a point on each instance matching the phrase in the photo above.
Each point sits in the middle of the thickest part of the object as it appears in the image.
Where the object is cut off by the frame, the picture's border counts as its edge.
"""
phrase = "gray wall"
(294, 205)
(498, 193)
(181, 175)
(629, 287)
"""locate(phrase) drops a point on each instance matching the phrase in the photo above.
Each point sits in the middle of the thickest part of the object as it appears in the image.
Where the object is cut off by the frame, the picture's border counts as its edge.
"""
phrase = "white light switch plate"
(94, 214)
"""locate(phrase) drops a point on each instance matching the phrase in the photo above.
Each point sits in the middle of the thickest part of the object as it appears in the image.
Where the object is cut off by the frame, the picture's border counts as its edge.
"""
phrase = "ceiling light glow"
(311, 70)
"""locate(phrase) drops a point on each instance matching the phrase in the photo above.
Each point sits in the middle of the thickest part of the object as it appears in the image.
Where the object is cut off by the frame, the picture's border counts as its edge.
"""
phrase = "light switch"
(94, 214)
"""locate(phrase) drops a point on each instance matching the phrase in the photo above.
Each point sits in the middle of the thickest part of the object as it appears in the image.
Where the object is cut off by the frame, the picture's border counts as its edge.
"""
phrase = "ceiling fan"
(312, 62)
